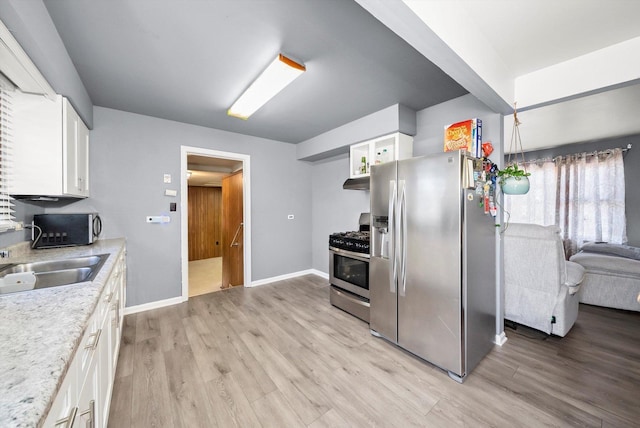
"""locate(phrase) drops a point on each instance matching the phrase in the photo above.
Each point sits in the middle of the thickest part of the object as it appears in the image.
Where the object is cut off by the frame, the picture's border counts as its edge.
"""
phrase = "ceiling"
(531, 35)
(189, 60)
(208, 171)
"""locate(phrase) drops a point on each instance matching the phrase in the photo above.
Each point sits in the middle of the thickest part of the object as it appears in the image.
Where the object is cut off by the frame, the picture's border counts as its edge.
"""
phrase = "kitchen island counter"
(40, 331)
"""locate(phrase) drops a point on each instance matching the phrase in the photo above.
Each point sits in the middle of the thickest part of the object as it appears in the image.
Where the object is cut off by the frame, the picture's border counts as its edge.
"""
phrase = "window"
(583, 194)
(6, 207)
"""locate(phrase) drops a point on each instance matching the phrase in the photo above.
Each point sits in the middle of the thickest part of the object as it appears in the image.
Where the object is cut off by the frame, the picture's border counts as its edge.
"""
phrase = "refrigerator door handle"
(402, 232)
(392, 235)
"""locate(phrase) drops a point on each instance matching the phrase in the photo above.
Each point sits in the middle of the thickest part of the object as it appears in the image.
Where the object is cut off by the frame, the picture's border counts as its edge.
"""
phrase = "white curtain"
(583, 194)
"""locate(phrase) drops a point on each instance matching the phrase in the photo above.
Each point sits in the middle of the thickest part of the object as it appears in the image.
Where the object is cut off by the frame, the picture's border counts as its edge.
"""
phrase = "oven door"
(349, 271)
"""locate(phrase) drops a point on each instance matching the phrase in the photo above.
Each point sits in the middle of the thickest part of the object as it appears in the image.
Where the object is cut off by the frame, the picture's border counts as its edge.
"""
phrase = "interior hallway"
(205, 276)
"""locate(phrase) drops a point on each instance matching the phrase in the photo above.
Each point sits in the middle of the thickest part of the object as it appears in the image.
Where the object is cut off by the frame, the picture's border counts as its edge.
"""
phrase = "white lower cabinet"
(85, 394)
(88, 410)
(111, 344)
(64, 408)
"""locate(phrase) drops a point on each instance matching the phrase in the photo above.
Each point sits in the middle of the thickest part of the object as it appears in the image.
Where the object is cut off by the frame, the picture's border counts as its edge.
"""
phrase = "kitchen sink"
(51, 273)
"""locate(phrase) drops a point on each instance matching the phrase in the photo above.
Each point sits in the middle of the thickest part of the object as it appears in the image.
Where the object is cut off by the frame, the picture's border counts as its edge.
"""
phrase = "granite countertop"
(40, 331)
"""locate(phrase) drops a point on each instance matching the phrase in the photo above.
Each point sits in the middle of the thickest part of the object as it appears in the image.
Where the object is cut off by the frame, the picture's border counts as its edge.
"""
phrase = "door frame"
(185, 151)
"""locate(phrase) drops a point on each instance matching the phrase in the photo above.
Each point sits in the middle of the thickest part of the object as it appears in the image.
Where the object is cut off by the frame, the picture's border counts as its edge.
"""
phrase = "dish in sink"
(16, 277)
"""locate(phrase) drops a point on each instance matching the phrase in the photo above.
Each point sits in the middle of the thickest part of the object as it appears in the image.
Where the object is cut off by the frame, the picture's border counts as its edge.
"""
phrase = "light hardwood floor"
(280, 355)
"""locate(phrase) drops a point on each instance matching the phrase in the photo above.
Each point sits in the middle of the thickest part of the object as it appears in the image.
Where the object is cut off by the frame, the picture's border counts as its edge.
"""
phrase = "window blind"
(6, 205)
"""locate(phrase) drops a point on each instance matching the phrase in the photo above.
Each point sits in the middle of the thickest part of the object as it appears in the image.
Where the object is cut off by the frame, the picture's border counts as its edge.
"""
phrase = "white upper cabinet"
(75, 153)
(383, 149)
(51, 148)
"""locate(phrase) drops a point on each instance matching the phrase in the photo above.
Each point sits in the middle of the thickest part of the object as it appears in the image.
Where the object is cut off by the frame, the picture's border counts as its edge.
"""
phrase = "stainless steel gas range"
(349, 270)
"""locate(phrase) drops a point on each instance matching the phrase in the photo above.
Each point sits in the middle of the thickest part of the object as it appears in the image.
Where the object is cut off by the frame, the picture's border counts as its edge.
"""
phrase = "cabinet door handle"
(116, 307)
(91, 412)
(69, 420)
(93, 343)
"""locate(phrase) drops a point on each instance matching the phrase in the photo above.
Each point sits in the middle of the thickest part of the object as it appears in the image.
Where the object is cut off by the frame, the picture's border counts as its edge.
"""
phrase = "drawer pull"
(118, 313)
(69, 420)
(116, 307)
(93, 343)
(91, 412)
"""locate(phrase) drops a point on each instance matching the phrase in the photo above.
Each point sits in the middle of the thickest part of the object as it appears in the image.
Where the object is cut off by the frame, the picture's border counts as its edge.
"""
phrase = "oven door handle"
(358, 256)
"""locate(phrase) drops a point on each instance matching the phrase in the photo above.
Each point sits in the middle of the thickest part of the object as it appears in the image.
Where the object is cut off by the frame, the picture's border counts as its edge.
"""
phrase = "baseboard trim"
(288, 276)
(152, 305)
(319, 273)
(500, 339)
(175, 300)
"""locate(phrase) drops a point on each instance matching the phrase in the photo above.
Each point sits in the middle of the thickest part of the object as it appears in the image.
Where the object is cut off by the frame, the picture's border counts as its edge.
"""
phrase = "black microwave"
(65, 230)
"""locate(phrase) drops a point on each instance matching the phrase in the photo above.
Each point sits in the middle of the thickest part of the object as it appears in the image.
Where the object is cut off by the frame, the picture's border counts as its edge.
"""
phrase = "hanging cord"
(504, 213)
(35, 241)
(516, 140)
(513, 145)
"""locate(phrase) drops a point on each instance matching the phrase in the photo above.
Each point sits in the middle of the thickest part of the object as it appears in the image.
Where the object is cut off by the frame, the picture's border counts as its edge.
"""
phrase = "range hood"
(361, 183)
(45, 198)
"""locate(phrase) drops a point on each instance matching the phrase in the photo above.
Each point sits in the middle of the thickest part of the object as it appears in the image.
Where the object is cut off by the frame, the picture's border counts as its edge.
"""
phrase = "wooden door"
(232, 231)
(205, 222)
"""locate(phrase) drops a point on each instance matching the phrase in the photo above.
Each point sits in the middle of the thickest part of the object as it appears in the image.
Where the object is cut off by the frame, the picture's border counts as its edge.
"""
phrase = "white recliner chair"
(540, 284)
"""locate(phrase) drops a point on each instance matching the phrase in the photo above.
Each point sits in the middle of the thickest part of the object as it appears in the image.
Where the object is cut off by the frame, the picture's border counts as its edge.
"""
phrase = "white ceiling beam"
(403, 21)
(443, 31)
(458, 28)
(603, 69)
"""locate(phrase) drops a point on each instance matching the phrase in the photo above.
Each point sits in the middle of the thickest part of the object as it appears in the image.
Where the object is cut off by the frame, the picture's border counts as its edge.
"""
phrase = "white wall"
(24, 212)
(431, 122)
(31, 25)
(130, 153)
(333, 208)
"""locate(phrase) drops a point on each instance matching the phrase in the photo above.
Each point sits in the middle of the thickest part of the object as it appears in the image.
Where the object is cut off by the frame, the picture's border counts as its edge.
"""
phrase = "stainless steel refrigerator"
(432, 269)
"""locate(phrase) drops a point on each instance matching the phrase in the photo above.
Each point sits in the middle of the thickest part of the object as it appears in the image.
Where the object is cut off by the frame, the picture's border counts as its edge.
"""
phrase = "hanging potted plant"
(514, 180)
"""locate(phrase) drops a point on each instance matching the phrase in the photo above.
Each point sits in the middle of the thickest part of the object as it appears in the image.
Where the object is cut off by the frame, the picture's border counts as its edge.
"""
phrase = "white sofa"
(612, 277)
(540, 284)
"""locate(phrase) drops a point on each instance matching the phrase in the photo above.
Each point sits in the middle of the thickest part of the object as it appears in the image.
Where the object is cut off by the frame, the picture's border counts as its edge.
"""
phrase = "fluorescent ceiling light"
(273, 79)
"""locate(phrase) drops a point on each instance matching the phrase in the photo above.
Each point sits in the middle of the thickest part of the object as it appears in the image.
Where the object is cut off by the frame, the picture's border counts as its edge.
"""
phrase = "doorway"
(232, 231)
(204, 230)
(215, 221)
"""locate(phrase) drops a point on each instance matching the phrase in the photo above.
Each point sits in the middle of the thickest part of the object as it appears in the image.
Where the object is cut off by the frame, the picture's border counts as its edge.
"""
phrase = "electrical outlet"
(19, 226)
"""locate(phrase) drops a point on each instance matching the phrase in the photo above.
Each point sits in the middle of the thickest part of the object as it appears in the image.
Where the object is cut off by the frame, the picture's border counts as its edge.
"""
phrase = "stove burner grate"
(355, 241)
